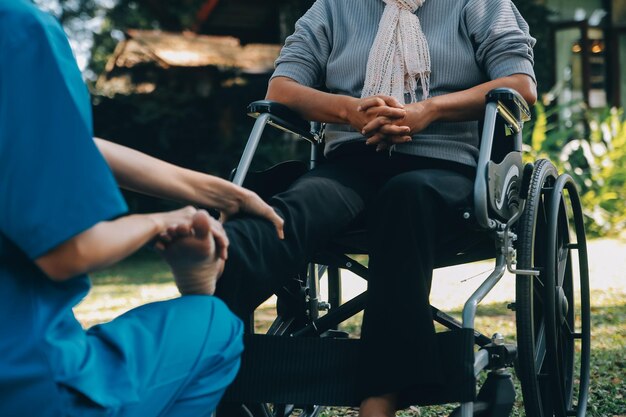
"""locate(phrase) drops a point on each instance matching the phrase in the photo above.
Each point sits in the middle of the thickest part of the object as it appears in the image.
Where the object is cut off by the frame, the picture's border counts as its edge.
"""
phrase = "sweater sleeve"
(304, 56)
(501, 38)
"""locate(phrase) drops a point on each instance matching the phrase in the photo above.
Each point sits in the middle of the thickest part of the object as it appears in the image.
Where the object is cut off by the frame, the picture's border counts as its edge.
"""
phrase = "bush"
(590, 145)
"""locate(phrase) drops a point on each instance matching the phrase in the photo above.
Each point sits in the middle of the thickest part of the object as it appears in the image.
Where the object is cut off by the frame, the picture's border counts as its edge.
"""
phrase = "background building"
(588, 40)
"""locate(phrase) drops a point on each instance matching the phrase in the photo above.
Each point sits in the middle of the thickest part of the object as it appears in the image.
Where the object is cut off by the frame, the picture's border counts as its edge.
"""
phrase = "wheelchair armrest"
(277, 115)
(282, 117)
(512, 106)
(503, 105)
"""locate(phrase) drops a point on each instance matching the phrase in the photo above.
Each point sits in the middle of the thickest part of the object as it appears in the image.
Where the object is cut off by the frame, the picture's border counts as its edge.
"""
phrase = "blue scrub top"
(54, 184)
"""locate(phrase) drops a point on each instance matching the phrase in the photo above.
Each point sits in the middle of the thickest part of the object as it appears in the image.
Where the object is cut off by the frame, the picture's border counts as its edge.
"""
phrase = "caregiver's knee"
(224, 329)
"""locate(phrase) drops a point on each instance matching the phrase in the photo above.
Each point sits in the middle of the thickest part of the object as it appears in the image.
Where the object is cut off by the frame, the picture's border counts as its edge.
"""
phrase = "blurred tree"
(96, 26)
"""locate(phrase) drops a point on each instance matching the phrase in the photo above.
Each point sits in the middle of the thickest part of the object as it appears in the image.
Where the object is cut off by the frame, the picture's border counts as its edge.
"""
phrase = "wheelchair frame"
(502, 191)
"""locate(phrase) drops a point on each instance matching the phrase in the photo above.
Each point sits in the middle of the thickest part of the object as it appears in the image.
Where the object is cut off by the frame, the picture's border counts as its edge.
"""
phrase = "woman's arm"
(460, 106)
(319, 106)
(470, 104)
(139, 172)
(109, 242)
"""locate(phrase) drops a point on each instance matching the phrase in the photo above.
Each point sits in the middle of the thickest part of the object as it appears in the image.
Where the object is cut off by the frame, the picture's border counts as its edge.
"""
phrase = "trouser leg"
(178, 357)
(315, 208)
(411, 213)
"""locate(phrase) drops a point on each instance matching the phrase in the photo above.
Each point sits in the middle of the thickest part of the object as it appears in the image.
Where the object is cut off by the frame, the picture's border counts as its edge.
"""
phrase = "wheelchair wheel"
(552, 309)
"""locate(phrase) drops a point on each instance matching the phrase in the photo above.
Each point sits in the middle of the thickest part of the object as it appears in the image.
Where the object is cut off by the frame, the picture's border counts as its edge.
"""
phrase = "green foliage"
(590, 145)
(605, 198)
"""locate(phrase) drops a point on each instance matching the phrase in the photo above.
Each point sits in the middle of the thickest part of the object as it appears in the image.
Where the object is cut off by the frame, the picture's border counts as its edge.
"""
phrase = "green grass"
(608, 357)
(138, 280)
(145, 278)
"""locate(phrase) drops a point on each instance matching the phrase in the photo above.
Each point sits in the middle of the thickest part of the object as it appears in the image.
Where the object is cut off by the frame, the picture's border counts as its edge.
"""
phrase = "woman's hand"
(384, 120)
(374, 116)
(418, 116)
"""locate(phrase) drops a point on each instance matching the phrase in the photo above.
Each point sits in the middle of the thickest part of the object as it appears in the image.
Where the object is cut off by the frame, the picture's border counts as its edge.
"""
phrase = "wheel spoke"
(562, 258)
(543, 216)
(540, 347)
(537, 282)
(570, 331)
(538, 289)
(537, 294)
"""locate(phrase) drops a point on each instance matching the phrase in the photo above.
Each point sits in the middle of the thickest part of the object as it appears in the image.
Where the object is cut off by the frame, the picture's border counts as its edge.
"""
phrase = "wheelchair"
(527, 217)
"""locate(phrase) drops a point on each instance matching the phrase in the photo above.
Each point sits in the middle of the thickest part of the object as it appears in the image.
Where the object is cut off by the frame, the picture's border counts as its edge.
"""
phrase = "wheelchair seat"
(471, 246)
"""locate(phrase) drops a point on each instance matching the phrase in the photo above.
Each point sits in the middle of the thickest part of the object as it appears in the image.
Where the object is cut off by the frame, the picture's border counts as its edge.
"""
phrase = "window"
(580, 64)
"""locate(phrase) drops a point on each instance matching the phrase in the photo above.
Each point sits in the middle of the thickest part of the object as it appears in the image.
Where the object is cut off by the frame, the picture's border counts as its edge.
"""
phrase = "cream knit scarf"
(399, 54)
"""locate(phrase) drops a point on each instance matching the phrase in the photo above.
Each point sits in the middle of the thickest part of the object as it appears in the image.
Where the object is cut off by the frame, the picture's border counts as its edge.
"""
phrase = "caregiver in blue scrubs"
(61, 216)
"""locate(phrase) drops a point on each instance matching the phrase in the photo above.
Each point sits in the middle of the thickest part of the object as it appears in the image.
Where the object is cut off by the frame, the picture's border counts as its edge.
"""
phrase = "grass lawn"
(144, 278)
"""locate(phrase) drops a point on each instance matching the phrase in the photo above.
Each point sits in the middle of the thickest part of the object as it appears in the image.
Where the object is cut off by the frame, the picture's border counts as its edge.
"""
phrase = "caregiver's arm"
(139, 172)
(108, 242)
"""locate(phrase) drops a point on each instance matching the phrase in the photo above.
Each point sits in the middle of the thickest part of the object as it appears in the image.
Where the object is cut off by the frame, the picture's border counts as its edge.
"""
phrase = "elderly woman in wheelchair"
(403, 162)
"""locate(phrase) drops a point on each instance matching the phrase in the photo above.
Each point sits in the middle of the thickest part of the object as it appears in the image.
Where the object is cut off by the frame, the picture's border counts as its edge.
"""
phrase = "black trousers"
(411, 205)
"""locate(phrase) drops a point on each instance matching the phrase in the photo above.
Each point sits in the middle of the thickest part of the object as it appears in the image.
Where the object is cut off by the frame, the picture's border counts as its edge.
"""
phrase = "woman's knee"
(323, 198)
(426, 188)
(407, 191)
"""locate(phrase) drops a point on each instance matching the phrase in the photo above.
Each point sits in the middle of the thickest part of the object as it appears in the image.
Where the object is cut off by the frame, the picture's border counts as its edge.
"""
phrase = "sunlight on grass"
(136, 281)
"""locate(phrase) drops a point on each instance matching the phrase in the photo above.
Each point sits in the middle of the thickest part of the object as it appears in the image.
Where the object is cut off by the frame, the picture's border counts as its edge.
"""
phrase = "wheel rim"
(530, 303)
(553, 315)
(559, 309)
(568, 341)
(539, 301)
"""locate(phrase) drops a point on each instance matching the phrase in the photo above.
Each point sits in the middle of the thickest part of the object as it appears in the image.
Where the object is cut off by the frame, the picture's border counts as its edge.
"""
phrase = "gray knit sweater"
(470, 42)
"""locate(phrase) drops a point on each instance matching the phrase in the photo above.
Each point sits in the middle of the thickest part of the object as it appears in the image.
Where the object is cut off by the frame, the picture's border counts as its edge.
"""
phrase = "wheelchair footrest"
(326, 371)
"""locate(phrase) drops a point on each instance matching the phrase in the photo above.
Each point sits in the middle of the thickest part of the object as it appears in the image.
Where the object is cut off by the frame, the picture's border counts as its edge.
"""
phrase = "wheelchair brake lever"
(506, 238)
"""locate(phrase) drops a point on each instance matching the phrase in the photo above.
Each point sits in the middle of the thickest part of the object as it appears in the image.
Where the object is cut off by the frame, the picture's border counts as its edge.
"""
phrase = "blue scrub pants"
(182, 355)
